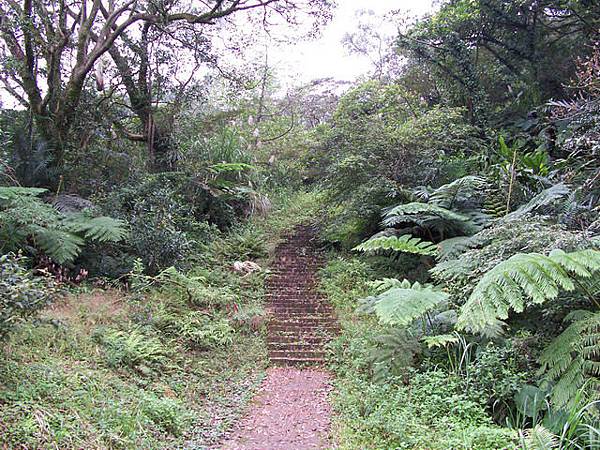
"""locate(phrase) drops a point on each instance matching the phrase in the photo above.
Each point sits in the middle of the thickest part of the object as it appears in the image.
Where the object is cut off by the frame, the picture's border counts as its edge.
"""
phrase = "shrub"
(166, 413)
(246, 243)
(344, 281)
(195, 329)
(169, 215)
(432, 412)
(499, 373)
(22, 295)
(131, 348)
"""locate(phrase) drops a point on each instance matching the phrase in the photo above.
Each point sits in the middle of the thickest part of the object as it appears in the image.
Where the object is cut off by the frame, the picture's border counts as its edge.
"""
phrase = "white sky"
(326, 56)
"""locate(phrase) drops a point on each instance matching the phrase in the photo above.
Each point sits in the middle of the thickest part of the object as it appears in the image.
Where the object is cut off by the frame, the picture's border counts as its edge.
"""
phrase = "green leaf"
(62, 246)
(524, 277)
(12, 192)
(442, 340)
(402, 305)
(99, 229)
(404, 243)
(431, 216)
(544, 198)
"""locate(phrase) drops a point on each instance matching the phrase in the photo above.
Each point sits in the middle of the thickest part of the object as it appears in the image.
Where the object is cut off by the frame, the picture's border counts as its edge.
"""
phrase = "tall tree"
(50, 48)
(498, 50)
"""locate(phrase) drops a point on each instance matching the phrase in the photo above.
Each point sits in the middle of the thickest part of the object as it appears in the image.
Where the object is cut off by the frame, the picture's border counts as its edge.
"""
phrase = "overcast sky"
(326, 56)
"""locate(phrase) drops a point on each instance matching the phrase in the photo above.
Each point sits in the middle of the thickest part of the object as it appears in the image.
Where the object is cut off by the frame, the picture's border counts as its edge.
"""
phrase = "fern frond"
(61, 246)
(454, 247)
(394, 353)
(99, 229)
(404, 243)
(464, 188)
(402, 305)
(12, 192)
(385, 284)
(452, 269)
(420, 213)
(544, 198)
(523, 276)
(539, 438)
(429, 216)
(442, 340)
(572, 359)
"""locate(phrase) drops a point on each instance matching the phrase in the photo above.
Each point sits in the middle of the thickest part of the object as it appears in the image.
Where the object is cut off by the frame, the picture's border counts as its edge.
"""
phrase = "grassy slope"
(86, 383)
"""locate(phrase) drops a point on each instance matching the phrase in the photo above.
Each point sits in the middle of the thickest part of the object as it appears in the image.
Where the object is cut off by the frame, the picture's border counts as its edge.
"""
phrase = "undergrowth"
(377, 407)
(171, 363)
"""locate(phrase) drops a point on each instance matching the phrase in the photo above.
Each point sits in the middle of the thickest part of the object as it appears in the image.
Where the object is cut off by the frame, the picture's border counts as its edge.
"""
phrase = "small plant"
(131, 348)
(168, 414)
(244, 244)
(196, 329)
(22, 295)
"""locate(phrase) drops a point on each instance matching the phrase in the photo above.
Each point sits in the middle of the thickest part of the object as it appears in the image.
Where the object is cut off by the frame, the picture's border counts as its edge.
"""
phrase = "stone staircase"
(301, 321)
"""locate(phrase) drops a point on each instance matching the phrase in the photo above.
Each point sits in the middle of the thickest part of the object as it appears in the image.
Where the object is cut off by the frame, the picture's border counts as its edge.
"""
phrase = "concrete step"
(296, 354)
(296, 362)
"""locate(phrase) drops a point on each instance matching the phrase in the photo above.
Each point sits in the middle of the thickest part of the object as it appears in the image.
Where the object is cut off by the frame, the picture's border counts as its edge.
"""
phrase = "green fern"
(442, 340)
(403, 304)
(61, 245)
(572, 360)
(14, 192)
(464, 188)
(393, 354)
(544, 198)
(404, 243)
(385, 284)
(539, 438)
(522, 277)
(431, 216)
(98, 229)
(27, 219)
(454, 247)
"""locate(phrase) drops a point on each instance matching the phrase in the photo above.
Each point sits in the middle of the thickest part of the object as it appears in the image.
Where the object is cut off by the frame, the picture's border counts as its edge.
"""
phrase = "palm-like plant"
(29, 223)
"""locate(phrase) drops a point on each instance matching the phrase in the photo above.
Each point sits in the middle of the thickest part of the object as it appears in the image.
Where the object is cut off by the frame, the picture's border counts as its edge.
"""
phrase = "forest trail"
(291, 410)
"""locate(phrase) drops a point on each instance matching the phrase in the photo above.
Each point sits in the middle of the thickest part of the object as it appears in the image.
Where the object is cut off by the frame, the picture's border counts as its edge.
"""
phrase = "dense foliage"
(457, 189)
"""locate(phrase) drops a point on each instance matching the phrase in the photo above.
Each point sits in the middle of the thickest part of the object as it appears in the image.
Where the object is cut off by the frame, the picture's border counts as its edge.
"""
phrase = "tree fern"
(524, 276)
(403, 304)
(26, 220)
(13, 192)
(60, 245)
(99, 229)
(454, 247)
(572, 360)
(429, 216)
(393, 354)
(463, 189)
(404, 243)
(544, 198)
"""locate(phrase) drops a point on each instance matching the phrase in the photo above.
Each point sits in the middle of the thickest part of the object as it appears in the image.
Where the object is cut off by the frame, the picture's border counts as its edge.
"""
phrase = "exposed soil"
(291, 410)
(96, 306)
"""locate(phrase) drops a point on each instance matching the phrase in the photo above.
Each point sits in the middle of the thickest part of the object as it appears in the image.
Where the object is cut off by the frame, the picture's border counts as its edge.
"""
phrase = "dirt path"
(291, 410)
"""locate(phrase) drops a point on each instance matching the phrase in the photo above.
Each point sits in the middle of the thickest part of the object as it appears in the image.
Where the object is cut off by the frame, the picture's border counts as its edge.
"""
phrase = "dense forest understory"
(152, 160)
